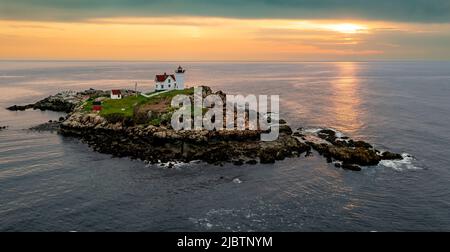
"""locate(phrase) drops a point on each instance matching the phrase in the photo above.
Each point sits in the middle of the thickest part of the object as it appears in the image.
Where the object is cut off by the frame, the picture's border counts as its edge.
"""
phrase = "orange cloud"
(198, 38)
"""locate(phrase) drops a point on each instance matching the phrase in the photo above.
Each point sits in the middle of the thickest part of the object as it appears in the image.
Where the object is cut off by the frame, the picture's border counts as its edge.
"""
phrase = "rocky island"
(138, 126)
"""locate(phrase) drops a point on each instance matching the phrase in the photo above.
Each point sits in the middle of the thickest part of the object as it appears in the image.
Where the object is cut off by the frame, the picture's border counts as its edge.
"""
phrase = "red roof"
(163, 77)
(97, 107)
(116, 92)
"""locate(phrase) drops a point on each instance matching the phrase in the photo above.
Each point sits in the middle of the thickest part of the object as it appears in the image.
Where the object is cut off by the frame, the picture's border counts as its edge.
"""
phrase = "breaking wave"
(407, 163)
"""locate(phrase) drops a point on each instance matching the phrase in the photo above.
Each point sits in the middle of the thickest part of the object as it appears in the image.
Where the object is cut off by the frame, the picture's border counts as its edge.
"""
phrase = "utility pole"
(135, 88)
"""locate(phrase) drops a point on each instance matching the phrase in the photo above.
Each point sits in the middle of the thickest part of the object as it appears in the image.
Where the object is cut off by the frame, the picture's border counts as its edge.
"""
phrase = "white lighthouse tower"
(179, 76)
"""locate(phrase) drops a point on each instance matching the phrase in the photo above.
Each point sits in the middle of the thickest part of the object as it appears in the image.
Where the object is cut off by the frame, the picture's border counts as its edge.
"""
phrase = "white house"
(170, 81)
(116, 94)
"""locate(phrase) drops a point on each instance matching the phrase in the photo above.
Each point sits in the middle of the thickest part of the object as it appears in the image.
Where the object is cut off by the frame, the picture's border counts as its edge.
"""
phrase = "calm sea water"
(52, 183)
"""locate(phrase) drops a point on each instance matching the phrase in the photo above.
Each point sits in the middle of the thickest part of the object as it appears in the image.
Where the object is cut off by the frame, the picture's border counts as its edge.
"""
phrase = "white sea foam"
(171, 164)
(407, 163)
(311, 130)
(339, 134)
(237, 181)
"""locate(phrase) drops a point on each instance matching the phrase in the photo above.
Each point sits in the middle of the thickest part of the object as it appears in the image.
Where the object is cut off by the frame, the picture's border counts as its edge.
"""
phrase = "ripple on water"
(23, 152)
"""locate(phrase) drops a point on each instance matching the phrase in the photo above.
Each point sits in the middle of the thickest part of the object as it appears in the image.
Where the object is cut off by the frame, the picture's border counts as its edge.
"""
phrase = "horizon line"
(219, 61)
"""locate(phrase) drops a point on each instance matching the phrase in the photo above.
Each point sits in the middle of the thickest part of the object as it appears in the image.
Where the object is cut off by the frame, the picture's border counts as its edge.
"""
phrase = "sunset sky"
(290, 30)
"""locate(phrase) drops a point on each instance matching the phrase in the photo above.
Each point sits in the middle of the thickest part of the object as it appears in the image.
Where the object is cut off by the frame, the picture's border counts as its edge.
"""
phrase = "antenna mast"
(135, 88)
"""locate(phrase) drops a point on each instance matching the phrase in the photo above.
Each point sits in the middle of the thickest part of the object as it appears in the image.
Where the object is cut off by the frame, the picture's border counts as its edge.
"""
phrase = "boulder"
(251, 162)
(351, 167)
(267, 156)
(285, 129)
(359, 155)
(238, 162)
(298, 134)
(362, 144)
(391, 156)
(328, 135)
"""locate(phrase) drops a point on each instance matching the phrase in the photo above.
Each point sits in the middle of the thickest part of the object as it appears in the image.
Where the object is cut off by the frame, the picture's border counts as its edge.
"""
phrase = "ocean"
(53, 183)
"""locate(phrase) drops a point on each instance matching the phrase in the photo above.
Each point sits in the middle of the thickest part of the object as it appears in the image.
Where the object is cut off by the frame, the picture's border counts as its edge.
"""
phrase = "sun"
(347, 28)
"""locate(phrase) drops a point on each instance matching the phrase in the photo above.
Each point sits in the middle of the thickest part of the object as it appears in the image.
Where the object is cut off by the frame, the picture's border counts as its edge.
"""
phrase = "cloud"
(425, 11)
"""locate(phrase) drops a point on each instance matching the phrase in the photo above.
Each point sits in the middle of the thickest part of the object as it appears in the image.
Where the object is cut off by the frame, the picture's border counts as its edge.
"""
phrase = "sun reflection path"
(346, 105)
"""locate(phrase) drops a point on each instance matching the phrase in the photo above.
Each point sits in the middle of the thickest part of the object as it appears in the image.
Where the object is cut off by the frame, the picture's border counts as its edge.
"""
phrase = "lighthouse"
(170, 81)
(179, 76)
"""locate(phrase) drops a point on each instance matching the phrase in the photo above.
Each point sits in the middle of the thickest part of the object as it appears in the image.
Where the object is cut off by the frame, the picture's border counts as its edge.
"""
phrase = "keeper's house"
(116, 94)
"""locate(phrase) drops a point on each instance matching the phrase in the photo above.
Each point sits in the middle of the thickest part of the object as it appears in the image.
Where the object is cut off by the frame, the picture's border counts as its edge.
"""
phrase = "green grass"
(126, 105)
(155, 122)
(123, 106)
(88, 106)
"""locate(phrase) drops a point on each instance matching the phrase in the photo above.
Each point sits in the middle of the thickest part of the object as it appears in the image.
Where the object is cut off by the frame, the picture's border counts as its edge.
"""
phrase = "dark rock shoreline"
(62, 102)
(160, 144)
(48, 126)
(163, 144)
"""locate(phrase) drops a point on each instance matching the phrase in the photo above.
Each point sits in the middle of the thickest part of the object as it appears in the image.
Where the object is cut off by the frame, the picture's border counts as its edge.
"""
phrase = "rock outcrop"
(348, 153)
(61, 102)
(155, 144)
(48, 126)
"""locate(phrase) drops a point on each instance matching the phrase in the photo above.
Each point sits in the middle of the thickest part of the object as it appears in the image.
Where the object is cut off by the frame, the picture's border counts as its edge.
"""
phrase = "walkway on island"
(155, 93)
